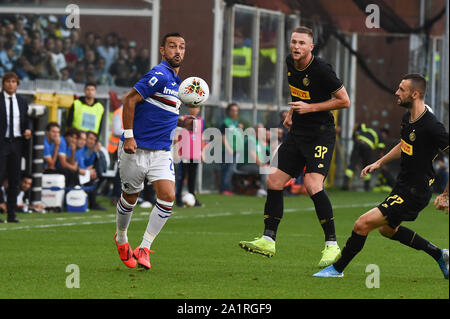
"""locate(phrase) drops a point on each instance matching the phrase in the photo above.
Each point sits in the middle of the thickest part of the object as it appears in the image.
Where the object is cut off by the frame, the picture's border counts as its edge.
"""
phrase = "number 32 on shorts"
(320, 151)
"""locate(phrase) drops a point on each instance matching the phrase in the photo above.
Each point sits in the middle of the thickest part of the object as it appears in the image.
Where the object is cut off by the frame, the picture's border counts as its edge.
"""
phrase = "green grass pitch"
(197, 254)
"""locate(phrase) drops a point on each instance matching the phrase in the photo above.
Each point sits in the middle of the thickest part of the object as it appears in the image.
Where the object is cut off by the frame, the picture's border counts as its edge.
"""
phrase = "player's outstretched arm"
(129, 103)
(393, 154)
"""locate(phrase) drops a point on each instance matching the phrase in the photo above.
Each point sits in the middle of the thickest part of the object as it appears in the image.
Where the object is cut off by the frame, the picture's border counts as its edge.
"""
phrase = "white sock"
(331, 243)
(268, 238)
(158, 217)
(124, 211)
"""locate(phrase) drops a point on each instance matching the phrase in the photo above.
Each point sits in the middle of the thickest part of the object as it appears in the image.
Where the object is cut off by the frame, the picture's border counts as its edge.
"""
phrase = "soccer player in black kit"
(315, 91)
(422, 136)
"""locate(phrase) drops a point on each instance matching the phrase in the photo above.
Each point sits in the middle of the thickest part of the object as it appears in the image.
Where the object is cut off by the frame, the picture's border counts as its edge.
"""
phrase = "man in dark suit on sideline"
(14, 130)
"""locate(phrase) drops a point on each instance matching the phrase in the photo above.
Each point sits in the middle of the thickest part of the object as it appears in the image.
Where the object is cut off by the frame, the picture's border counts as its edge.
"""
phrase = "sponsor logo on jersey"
(304, 95)
(169, 91)
(406, 148)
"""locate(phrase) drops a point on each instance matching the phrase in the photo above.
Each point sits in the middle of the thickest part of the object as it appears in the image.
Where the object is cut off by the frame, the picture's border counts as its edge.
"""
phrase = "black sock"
(324, 213)
(409, 238)
(273, 212)
(353, 246)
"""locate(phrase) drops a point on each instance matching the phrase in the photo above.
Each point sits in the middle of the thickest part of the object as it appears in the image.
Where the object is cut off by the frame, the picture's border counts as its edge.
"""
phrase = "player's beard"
(173, 63)
(406, 103)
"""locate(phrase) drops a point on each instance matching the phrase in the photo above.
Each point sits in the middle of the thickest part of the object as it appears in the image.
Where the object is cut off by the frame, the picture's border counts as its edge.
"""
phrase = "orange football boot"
(143, 257)
(125, 253)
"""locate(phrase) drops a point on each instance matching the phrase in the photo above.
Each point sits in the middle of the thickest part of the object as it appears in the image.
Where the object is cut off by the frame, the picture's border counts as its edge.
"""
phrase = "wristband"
(128, 133)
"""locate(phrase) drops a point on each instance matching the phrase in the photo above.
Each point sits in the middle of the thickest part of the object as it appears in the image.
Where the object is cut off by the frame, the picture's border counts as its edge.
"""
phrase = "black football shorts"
(401, 205)
(313, 149)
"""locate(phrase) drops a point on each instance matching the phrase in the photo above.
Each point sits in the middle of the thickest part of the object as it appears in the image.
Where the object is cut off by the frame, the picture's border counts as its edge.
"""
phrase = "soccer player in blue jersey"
(150, 117)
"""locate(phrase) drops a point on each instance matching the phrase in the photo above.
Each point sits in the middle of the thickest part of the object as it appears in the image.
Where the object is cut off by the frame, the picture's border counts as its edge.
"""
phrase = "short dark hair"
(418, 83)
(91, 133)
(10, 75)
(72, 131)
(303, 29)
(230, 105)
(90, 84)
(50, 125)
(172, 34)
(26, 175)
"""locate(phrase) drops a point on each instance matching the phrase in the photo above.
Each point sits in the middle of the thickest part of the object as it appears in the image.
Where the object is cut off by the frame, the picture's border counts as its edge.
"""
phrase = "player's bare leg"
(165, 196)
(273, 212)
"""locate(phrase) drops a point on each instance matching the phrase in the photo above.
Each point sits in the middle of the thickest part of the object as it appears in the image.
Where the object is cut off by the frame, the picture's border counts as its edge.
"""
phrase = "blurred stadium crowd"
(41, 47)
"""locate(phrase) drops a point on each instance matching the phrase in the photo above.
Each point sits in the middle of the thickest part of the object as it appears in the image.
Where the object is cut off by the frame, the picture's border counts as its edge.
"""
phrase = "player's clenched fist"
(129, 146)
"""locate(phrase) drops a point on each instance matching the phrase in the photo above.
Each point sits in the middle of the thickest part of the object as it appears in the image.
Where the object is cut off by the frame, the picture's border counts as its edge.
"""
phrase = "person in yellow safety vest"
(241, 69)
(86, 113)
(367, 142)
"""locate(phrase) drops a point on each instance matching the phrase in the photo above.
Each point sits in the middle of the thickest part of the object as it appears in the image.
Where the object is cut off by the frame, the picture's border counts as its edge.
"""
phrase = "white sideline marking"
(113, 220)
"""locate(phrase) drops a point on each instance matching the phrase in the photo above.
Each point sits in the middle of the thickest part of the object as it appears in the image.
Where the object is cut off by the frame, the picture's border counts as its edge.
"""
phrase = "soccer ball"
(188, 199)
(193, 91)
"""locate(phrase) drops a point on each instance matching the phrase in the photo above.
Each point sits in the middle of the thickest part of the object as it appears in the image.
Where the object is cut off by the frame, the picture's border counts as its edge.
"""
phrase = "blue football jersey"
(156, 117)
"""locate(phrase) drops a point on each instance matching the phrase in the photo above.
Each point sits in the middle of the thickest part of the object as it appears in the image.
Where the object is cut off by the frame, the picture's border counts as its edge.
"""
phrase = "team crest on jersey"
(304, 95)
(153, 81)
(412, 136)
(306, 81)
(289, 73)
(406, 148)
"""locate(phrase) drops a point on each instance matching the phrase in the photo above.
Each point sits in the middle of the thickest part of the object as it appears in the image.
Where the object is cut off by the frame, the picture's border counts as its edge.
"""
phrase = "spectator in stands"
(109, 49)
(66, 82)
(79, 73)
(120, 70)
(132, 62)
(70, 57)
(143, 62)
(89, 43)
(39, 60)
(58, 59)
(89, 57)
(6, 58)
(22, 68)
(86, 113)
(100, 74)
(76, 47)
(20, 32)
(90, 73)
(15, 47)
